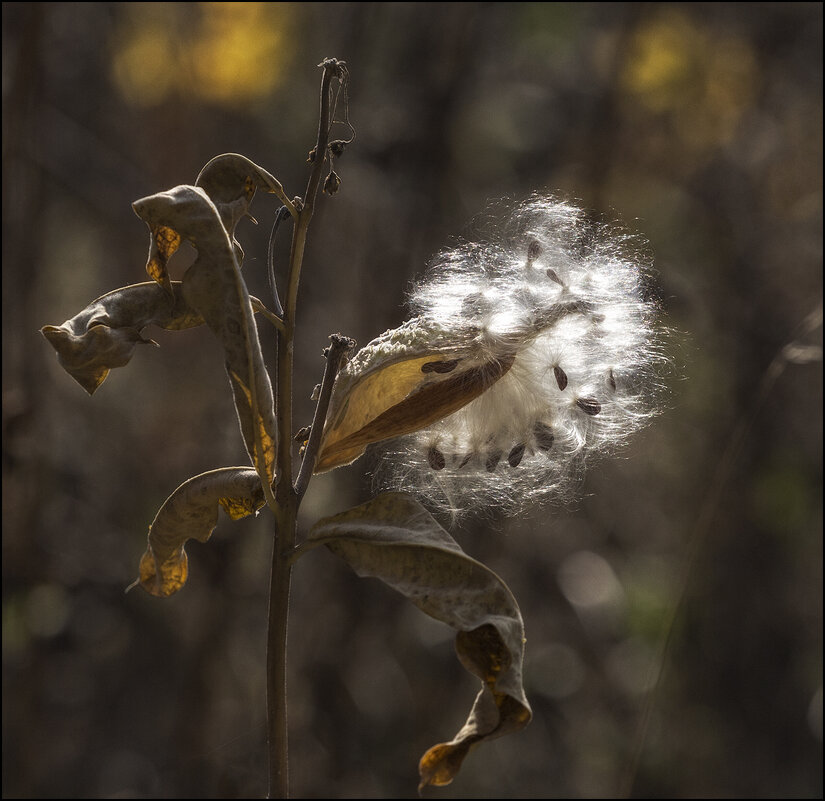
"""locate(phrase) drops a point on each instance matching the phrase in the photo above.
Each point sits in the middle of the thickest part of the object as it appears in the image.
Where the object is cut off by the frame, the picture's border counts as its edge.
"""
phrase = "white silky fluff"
(567, 296)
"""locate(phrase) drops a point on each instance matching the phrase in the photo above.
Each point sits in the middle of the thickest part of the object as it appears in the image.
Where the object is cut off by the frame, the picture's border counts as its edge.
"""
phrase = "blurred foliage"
(701, 124)
(226, 53)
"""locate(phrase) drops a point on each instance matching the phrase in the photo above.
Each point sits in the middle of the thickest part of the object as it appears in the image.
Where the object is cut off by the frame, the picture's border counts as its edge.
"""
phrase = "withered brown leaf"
(191, 512)
(395, 539)
(214, 286)
(105, 333)
(231, 181)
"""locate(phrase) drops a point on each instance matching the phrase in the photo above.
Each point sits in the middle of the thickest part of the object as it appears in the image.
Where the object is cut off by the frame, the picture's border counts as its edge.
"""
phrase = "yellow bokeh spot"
(660, 65)
(227, 53)
(239, 54)
(703, 81)
(142, 66)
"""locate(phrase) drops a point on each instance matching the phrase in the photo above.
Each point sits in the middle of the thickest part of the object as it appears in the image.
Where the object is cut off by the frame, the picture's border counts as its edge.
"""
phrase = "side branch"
(335, 354)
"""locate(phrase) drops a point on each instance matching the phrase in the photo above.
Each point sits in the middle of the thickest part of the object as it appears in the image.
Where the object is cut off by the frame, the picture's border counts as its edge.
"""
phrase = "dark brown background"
(698, 124)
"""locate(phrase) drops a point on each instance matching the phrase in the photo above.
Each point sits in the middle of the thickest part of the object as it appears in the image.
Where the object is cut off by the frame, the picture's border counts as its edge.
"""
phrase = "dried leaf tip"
(332, 183)
(337, 147)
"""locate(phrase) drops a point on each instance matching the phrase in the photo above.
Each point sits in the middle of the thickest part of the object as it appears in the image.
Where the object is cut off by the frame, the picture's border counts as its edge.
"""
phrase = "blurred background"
(699, 125)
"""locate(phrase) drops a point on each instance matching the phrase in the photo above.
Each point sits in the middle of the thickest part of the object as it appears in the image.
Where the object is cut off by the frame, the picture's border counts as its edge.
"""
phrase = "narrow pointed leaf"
(213, 285)
(395, 539)
(191, 512)
(400, 383)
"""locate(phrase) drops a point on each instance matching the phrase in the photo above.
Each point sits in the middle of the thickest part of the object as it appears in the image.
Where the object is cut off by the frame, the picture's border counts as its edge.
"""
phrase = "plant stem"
(286, 496)
(335, 353)
(280, 580)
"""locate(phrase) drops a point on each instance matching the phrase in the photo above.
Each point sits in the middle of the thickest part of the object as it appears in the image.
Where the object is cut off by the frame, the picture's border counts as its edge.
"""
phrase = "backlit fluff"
(567, 296)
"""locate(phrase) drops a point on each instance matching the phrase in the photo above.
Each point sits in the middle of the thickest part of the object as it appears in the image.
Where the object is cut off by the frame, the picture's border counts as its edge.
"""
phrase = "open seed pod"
(404, 380)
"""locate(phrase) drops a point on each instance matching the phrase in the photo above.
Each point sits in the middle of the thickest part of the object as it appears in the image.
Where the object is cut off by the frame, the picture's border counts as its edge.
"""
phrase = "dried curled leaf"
(395, 539)
(105, 333)
(231, 180)
(191, 512)
(213, 285)
(400, 383)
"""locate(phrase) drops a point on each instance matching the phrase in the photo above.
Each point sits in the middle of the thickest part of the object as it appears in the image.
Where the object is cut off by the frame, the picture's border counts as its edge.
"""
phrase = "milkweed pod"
(406, 379)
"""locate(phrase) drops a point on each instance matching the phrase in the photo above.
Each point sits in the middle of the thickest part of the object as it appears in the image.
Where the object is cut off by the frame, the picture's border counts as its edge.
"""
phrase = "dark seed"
(439, 367)
(544, 436)
(561, 377)
(436, 459)
(515, 455)
(492, 461)
(533, 251)
(611, 379)
(465, 461)
(589, 405)
(553, 275)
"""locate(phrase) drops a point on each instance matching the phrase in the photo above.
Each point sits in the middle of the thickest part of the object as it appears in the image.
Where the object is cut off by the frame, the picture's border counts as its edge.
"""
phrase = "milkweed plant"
(526, 353)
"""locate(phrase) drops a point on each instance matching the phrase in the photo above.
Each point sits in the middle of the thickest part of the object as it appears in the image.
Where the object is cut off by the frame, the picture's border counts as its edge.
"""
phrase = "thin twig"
(335, 353)
(264, 312)
(701, 529)
(270, 260)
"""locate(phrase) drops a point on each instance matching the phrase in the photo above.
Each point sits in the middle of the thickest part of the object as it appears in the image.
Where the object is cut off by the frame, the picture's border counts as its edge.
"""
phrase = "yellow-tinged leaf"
(164, 242)
(214, 286)
(395, 539)
(399, 383)
(191, 512)
(163, 579)
(243, 406)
